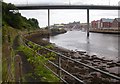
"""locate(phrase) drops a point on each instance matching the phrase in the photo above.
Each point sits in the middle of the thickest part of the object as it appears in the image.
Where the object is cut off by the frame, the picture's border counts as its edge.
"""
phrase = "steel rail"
(91, 67)
(60, 69)
(48, 67)
(67, 72)
(56, 74)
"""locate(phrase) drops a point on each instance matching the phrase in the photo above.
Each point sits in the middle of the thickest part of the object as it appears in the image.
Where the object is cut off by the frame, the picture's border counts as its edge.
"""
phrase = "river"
(102, 45)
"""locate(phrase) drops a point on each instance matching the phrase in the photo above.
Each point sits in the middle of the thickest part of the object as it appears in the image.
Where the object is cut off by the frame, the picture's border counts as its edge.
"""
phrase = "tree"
(13, 18)
(34, 23)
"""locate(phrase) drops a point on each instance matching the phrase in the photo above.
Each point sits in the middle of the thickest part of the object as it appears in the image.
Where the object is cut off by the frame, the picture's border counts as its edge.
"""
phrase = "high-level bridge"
(87, 7)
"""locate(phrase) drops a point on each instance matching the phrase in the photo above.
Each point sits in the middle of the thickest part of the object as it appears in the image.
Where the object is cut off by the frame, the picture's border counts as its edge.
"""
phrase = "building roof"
(118, 19)
(107, 20)
(74, 22)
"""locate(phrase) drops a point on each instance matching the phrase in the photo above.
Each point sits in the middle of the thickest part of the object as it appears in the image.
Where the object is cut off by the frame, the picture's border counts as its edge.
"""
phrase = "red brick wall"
(94, 24)
(107, 24)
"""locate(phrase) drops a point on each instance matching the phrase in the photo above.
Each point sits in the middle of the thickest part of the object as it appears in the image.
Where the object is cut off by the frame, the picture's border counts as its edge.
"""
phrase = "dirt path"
(22, 66)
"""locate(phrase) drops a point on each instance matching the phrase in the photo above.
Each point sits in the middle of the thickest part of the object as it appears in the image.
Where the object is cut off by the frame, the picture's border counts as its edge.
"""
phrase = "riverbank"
(105, 31)
(56, 31)
(92, 60)
(86, 74)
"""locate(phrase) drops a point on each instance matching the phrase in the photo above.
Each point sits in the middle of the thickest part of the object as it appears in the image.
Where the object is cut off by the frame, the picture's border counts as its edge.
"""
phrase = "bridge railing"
(60, 69)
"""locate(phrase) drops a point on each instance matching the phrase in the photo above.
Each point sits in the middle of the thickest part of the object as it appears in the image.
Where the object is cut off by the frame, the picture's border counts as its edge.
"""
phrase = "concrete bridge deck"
(103, 7)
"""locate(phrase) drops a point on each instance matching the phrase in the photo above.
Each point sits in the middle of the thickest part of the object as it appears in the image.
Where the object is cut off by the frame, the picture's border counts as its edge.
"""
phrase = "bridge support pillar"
(49, 24)
(48, 18)
(88, 25)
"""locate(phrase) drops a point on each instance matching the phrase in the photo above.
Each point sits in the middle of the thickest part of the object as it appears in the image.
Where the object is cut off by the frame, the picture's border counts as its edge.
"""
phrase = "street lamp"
(69, 2)
(109, 2)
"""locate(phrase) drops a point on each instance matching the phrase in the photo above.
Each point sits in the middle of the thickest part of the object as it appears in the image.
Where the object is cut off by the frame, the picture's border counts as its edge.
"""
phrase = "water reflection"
(87, 45)
(98, 44)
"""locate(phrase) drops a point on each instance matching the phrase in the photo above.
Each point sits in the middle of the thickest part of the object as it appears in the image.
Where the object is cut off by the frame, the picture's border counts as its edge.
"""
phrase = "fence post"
(18, 69)
(59, 64)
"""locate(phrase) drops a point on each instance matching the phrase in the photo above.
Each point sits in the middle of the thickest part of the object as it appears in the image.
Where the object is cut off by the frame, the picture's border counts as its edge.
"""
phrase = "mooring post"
(88, 25)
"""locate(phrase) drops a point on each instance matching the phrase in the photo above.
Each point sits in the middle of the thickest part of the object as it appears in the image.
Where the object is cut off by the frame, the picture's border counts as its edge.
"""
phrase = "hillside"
(14, 19)
(13, 25)
(17, 59)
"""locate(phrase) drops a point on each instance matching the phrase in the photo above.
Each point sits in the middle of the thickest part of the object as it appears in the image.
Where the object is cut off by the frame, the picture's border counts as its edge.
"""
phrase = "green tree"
(13, 18)
(34, 23)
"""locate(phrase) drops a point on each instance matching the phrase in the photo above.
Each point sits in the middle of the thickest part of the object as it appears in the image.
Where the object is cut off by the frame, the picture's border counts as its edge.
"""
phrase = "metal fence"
(60, 69)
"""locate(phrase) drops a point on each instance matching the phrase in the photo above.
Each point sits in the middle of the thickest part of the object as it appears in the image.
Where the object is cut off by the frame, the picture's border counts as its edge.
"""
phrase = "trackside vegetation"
(14, 25)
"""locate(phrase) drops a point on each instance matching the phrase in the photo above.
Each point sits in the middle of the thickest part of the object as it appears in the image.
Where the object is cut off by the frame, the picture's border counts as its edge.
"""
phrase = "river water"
(102, 45)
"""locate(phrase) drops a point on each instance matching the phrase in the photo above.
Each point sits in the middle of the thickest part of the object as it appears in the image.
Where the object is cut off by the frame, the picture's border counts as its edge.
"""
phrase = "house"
(106, 23)
(116, 23)
(95, 24)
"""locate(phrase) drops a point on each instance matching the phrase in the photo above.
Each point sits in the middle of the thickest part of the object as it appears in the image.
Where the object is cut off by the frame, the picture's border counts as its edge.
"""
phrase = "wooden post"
(18, 69)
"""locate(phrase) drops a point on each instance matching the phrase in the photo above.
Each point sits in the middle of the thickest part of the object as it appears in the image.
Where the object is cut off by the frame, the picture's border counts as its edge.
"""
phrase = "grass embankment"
(39, 72)
(8, 35)
(13, 45)
(0, 54)
(13, 25)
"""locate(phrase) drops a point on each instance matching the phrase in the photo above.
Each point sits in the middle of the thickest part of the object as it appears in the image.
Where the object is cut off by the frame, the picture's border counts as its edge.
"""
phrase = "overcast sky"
(97, 2)
(66, 16)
